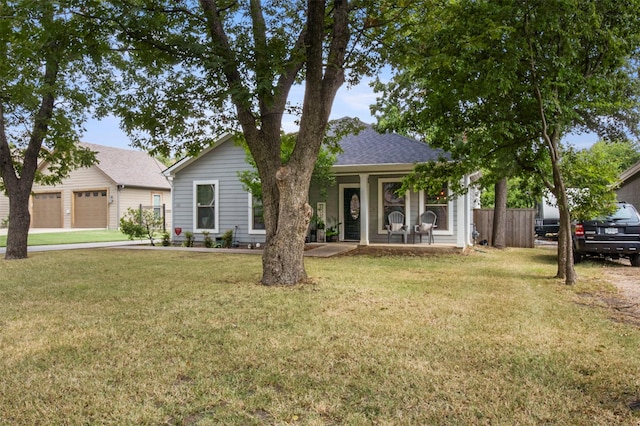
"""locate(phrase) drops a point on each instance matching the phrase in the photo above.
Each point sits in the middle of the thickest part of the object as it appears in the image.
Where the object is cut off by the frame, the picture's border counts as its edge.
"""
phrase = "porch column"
(463, 221)
(364, 209)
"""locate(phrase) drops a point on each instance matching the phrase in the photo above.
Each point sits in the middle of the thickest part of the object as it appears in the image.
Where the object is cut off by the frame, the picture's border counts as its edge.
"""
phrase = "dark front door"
(351, 213)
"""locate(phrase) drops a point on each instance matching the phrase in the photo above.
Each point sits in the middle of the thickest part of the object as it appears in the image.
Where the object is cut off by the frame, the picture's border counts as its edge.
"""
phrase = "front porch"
(377, 249)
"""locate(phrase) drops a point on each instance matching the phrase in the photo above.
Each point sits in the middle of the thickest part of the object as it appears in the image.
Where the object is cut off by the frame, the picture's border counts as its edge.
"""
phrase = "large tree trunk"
(285, 188)
(283, 261)
(499, 235)
(19, 221)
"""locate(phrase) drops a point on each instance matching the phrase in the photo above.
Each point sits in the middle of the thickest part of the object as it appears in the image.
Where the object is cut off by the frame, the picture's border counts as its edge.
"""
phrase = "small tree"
(53, 70)
(140, 224)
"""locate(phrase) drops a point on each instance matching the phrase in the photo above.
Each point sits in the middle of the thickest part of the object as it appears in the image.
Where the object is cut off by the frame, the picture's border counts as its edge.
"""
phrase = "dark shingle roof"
(129, 167)
(371, 147)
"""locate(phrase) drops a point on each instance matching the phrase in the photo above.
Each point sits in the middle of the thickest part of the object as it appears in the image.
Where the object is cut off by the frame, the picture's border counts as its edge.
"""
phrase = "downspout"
(118, 190)
(464, 220)
(468, 212)
(172, 225)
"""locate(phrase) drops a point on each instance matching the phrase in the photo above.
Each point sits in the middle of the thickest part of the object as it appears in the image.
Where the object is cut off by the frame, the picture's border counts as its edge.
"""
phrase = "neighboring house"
(629, 191)
(98, 196)
(208, 196)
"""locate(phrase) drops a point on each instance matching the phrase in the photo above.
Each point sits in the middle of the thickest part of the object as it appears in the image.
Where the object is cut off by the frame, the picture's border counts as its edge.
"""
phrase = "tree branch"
(239, 94)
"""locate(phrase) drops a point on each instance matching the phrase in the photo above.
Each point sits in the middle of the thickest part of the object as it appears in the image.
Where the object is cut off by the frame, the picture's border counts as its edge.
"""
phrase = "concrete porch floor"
(332, 249)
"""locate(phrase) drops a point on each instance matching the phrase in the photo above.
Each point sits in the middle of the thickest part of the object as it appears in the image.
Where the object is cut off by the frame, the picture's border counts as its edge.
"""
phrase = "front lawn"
(175, 337)
(70, 237)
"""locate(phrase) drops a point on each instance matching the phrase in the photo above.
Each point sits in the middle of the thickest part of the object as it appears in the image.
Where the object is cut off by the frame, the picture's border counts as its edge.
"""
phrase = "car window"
(624, 213)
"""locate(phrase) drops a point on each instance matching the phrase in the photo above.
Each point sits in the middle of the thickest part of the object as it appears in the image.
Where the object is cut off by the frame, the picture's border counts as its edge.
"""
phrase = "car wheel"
(635, 259)
(577, 257)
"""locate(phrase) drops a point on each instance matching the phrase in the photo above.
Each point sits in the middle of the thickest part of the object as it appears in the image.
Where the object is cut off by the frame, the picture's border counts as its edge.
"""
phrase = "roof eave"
(135, 185)
(373, 168)
(630, 172)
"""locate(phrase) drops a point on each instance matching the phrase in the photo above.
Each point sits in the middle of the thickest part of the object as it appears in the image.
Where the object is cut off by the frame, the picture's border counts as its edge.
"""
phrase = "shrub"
(189, 239)
(208, 241)
(227, 238)
(166, 239)
(140, 224)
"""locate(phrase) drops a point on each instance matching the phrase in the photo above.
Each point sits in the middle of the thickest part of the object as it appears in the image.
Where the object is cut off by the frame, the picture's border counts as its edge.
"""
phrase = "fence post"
(164, 217)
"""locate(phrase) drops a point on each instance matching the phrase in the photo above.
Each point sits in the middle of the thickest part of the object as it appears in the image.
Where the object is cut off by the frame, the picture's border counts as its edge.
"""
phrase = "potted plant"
(313, 229)
(332, 231)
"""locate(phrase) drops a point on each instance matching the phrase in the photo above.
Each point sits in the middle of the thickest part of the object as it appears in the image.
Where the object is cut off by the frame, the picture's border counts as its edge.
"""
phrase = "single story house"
(98, 196)
(629, 191)
(208, 196)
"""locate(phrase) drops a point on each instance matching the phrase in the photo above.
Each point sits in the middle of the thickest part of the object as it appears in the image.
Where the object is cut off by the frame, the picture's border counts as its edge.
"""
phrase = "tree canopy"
(196, 70)
(518, 75)
(53, 70)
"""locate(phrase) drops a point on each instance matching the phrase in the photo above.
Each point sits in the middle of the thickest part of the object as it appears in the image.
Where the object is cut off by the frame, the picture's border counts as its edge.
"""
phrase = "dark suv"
(613, 236)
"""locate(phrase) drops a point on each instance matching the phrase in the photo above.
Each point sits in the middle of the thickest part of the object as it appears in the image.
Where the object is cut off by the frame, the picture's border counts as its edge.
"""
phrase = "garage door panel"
(47, 210)
(90, 209)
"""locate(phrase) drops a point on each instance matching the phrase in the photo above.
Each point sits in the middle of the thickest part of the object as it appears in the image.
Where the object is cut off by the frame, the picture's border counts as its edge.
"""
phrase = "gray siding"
(222, 164)
(630, 191)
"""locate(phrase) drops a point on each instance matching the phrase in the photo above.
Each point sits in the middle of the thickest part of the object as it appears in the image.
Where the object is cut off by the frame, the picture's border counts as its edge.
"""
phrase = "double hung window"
(389, 201)
(439, 204)
(206, 205)
(256, 215)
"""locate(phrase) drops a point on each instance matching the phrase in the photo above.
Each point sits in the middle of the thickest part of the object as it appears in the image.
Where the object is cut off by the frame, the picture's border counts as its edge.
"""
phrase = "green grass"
(148, 337)
(70, 237)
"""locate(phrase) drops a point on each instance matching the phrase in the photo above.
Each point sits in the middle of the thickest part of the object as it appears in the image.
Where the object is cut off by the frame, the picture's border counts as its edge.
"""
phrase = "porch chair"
(396, 226)
(427, 221)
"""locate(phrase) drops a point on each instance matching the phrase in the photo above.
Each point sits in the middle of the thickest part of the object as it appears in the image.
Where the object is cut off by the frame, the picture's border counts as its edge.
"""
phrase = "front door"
(351, 213)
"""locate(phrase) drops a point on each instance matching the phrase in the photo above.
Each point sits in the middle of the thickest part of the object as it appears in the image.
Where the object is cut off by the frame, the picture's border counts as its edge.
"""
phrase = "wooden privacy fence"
(520, 225)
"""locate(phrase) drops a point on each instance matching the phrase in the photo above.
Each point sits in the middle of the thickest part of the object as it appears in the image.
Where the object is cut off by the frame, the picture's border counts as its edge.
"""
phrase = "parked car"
(547, 228)
(547, 223)
(616, 236)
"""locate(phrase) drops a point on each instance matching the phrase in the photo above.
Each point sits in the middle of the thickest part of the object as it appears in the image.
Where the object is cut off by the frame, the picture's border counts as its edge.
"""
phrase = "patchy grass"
(70, 237)
(147, 337)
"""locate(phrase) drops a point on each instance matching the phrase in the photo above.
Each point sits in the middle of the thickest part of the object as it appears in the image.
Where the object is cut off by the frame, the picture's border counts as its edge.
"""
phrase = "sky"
(350, 102)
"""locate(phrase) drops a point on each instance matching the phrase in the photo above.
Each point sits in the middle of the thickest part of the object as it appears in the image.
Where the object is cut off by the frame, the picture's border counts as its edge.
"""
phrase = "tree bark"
(566, 269)
(500, 214)
(19, 221)
(283, 261)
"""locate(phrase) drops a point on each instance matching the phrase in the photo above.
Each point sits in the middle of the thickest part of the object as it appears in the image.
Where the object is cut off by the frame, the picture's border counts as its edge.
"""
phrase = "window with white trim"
(256, 215)
(439, 204)
(205, 215)
(157, 205)
(389, 201)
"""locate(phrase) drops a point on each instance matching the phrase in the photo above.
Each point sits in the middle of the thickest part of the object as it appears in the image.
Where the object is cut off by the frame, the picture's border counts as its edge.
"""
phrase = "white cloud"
(354, 102)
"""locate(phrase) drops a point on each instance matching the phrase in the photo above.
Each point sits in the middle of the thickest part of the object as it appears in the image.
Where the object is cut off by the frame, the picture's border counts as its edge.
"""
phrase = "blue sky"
(351, 102)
